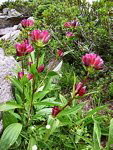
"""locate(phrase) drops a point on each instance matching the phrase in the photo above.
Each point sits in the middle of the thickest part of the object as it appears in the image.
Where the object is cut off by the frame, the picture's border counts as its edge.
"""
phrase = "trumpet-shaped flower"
(23, 48)
(40, 36)
(93, 60)
(27, 23)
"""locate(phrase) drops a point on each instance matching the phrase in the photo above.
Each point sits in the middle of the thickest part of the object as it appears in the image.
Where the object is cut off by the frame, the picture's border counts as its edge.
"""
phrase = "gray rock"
(7, 66)
(10, 17)
(5, 11)
(11, 35)
(7, 30)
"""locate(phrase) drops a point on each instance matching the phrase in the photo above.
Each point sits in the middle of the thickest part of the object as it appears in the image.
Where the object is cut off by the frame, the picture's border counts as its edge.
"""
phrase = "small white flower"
(34, 147)
(32, 128)
(48, 126)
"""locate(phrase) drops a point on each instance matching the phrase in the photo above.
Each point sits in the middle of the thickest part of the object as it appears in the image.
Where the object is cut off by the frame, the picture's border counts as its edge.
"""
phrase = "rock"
(7, 66)
(11, 35)
(1, 52)
(5, 11)
(7, 30)
(10, 17)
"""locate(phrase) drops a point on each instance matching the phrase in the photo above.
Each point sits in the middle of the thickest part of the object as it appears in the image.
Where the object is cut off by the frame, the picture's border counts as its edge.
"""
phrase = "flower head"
(40, 68)
(20, 75)
(69, 34)
(27, 23)
(60, 53)
(55, 111)
(80, 89)
(93, 60)
(40, 36)
(23, 48)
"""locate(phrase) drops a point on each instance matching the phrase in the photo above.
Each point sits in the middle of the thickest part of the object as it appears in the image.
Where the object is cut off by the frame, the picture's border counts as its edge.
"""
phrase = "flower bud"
(69, 34)
(60, 53)
(40, 68)
(55, 111)
(30, 76)
(20, 75)
(80, 89)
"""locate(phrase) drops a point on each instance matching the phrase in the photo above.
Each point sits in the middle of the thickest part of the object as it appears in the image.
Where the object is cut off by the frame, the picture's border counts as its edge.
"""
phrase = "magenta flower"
(93, 60)
(72, 23)
(23, 48)
(40, 36)
(55, 111)
(40, 68)
(27, 23)
(69, 34)
(60, 53)
(80, 89)
(20, 75)
(30, 76)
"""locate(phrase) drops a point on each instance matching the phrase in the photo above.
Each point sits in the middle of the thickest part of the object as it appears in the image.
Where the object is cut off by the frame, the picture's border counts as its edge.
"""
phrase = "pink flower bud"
(40, 36)
(60, 53)
(40, 68)
(55, 111)
(93, 60)
(27, 23)
(69, 34)
(30, 76)
(23, 48)
(20, 75)
(80, 89)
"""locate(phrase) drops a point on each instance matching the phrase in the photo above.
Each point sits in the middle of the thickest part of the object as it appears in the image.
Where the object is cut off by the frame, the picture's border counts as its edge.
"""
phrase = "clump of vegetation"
(63, 90)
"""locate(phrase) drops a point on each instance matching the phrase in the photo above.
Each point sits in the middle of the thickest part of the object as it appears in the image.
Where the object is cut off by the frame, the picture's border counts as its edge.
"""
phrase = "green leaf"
(110, 137)
(8, 106)
(49, 102)
(39, 95)
(52, 73)
(32, 142)
(17, 84)
(41, 60)
(43, 112)
(54, 124)
(72, 110)
(96, 136)
(91, 112)
(10, 136)
(63, 99)
(8, 119)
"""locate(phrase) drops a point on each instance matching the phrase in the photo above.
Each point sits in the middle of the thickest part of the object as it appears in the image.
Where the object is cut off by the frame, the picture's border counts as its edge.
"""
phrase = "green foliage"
(82, 123)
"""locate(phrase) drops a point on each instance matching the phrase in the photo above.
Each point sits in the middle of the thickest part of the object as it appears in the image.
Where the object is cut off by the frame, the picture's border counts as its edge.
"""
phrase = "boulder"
(10, 17)
(7, 30)
(7, 66)
(11, 35)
